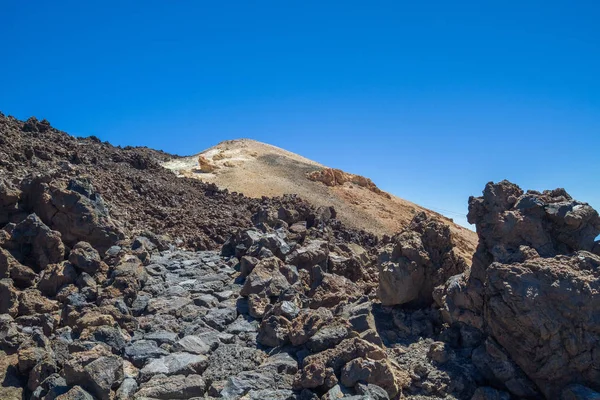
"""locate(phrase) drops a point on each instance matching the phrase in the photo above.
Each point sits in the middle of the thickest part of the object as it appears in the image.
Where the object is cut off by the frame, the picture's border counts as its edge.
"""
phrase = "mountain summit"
(258, 169)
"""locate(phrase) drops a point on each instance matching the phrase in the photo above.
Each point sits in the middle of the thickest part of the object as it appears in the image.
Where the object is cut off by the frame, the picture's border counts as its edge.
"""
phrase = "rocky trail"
(274, 298)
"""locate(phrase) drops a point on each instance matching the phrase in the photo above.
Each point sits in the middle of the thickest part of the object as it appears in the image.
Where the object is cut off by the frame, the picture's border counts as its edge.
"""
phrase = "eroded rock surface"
(534, 286)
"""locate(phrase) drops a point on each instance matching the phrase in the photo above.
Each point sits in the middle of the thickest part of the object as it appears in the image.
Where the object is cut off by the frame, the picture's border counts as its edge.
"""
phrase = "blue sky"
(429, 99)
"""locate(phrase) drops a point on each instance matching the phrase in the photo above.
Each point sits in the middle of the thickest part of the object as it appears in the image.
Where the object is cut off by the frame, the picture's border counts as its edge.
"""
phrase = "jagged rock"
(371, 391)
(314, 372)
(377, 372)
(172, 387)
(162, 337)
(86, 258)
(274, 331)
(128, 277)
(420, 259)
(56, 276)
(23, 276)
(175, 364)
(533, 285)
(111, 336)
(76, 393)
(272, 380)
(9, 197)
(95, 370)
(142, 350)
(440, 352)
(33, 125)
(31, 302)
(75, 210)
(37, 245)
(266, 279)
(219, 318)
(545, 313)
(257, 305)
(332, 290)
(307, 324)
(327, 337)
(193, 344)
(500, 370)
(247, 264)
(337, 177)
(205, 165)
(231, 359)
(127, 389)
(315, 252)
(9, 298)
(11, 386)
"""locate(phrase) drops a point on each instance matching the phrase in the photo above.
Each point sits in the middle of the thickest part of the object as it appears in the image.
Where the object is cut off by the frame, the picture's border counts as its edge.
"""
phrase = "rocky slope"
(274, 298)
(258, 169)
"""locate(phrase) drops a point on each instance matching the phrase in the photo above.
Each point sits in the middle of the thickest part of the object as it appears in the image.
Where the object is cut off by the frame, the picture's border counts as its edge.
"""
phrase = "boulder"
(9, 298)
(331, 290)
(377, 372)
(96, 370)
(31, 301)
(266, 279)
(75, 393)
(22, 275)
(274, 331)
(11, 386)
(172, 387)
(313, 253)
(142, 350)
(56, 276)
(419, 259)
(37, 245)
(307, 324)
(534, 288)
(85, 258)
(175, 364)
(317, 367)
(72, 208)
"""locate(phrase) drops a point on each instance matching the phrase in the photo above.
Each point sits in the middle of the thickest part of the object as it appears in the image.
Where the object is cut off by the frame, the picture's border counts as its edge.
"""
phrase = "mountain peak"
(259, 169)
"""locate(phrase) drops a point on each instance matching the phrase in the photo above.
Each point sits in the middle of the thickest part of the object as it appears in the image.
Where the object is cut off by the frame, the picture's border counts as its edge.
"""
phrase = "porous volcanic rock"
(416, 261)
(534, 286)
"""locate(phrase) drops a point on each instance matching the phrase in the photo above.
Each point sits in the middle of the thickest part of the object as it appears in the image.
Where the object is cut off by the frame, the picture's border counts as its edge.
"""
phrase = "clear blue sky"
(431, 99)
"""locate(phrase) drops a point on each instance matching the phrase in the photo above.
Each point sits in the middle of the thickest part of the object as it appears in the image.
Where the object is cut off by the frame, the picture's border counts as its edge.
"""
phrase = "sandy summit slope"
(258, 169)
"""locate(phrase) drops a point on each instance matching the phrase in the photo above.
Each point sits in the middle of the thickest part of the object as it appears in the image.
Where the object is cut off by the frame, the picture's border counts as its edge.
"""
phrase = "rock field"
(120, 281)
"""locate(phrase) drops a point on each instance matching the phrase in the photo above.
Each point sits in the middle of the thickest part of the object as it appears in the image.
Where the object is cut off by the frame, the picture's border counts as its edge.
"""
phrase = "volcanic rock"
(418, 260)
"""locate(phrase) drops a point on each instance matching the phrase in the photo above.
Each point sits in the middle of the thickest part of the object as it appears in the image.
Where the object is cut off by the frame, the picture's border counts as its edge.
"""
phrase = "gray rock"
(175, 364)
(372, 392)
(76, 393)
(162, 337)
(99, 376)
(194, 344)
(230, 359)
(172, 387)
(206, 300)
(327, 337)
(111, 336)
(127, 389)
(221, 317)
(242, 324)
(140, 351)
